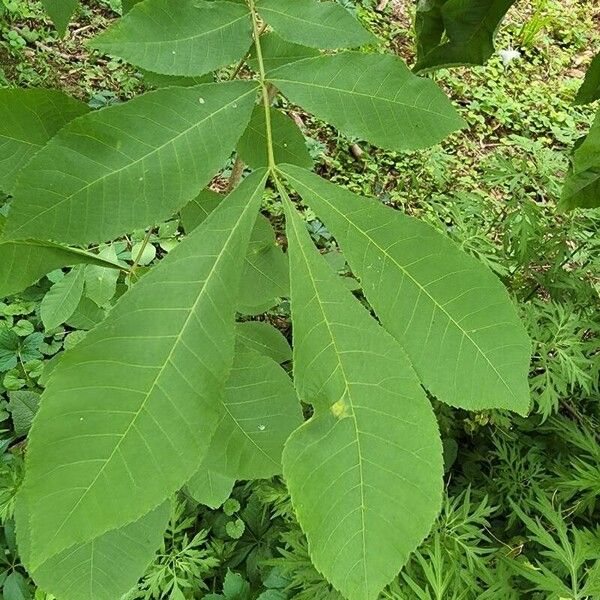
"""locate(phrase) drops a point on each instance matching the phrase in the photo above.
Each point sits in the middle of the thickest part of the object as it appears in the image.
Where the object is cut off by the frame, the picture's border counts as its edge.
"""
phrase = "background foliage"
(521, 496)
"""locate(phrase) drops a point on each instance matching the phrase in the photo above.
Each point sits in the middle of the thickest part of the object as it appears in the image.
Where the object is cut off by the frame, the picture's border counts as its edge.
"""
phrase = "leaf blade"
(370, 424)
(151, 347)
(129, 166)
(372, 97)
(191, 37)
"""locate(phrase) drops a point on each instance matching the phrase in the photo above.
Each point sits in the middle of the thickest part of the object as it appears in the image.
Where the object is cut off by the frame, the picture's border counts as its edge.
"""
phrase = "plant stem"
(263, 83)
(142, 249)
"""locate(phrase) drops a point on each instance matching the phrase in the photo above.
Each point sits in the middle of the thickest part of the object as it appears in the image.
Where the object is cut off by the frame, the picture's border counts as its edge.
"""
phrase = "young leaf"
(372, 97)
(261, 410)
(191, 37)
(365, 472)
(23, 262)
(62, 299)
(104, 568)
(60, 12)
(28, 119)
(130, 165)
(314, 23)
(129, 413)
(210, 488)
(265, 339)
(277, 52)
(450, 313)
(288, 141)
(590, 88)
(470, 27)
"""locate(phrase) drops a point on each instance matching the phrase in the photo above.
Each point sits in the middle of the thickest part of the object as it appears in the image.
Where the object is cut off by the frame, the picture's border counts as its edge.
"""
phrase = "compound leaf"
(365, 472)
(104, 568)
(130, 411)
(261, 410)
(372, 97)
(131, 165)
(451, 314)
(23, 262)
(187, 37)
(28, 119)
(315, 24)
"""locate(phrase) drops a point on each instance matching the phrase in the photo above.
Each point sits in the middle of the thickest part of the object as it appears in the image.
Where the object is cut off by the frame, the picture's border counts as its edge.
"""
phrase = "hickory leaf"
(451, 314)
(104, 568)
(104, 428)
(28, 119)
(265, 339)
(278, 52)
(314, 23)
(130, 165)
(590, 88)
(365, 471)
(191, 37)
(375, 98)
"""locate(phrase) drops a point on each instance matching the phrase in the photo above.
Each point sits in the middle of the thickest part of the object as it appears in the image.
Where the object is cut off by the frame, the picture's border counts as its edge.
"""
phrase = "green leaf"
(582, 184)
(135, 404)
(365, 472)
(277, 52)
(265, 339)
(469, 27)
(451, 314)
(131, 165)
(100, 282)
(288, 141)
(104, 568)
(60, 12)
(23, 262)
(128, 5)
(28, 119)
(590, 88)
(210, 488)
(265, 275)
(315, 24)
(372, 97)
(62, 299)
(23, 406)
(187, 37)
(87, 315)
(197, 210)
(15, 587)
(261, 410)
